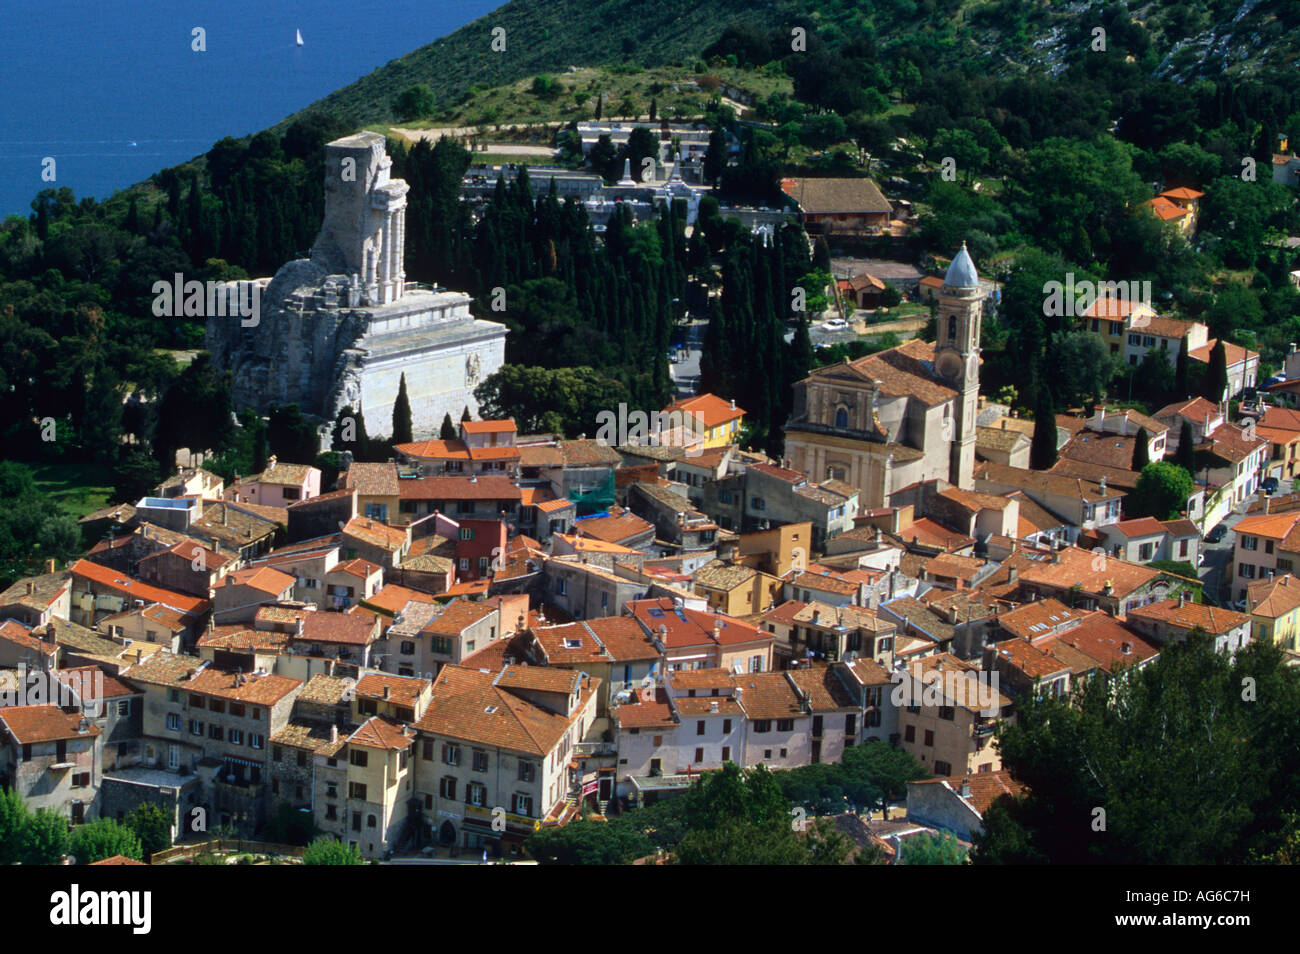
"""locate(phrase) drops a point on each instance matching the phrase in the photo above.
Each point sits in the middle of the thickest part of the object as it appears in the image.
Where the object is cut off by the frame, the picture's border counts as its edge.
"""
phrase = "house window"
(726, 753)
(942, 768)
(560, 586)
(80, 779)
(929, 737)
(946, 713)
(699, 727)
(408, 648)
(447, 787)
(173, 722)
(785, 725)
(426, 750)
(522, 804)
(1250, 543)
(216, 732)
(255, 740)
(124, 708)
(909, 734)
(726, 726)
(450, 754)
(236, 737)
(763, 725)
(480, 761)
(699, 755)
(237, 709)
(466, 533)
(196, 727)
(527, 771)
(357, 790)
(476, 793)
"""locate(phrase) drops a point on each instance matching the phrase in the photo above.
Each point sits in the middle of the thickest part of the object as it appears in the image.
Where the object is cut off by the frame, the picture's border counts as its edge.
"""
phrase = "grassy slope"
(543, 36)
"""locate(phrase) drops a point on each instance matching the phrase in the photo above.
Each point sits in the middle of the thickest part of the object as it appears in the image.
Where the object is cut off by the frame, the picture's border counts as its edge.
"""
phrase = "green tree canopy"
(1161, 492)
(327, 850)
(103, 838)
(1190, 760)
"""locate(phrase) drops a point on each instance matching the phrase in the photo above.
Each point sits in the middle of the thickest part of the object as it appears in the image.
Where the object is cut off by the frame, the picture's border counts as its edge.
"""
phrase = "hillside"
(1180, 39)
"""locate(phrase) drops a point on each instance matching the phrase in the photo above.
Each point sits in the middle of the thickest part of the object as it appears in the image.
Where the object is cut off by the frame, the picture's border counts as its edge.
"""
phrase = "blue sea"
(113, 91)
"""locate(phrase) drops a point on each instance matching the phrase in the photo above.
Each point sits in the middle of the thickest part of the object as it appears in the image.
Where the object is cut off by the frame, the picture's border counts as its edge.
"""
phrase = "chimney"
(387, 692)
(713, 707)
(1012, 573)
(31, 587)
(965, 787)
(1182, 599)
(334, 734)
(1126, 648)
(1102, 483)
(49, 565)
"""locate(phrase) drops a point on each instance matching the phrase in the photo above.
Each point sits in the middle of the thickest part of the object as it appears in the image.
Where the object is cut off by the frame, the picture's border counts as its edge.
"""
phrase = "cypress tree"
(1042, 452)
(448, 432)
(1186, 455)
(1141, 451)
(1181, 389)
(465, 414)
(402, 428)
(1216, 375)
(132, 223)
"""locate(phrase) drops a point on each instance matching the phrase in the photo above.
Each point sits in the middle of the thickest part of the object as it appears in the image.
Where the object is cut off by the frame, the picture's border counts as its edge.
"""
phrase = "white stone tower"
(364, 231)
(957, 360)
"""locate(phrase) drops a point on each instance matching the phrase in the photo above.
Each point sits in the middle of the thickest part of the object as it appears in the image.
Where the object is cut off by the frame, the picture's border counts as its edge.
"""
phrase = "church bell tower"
(957, 361)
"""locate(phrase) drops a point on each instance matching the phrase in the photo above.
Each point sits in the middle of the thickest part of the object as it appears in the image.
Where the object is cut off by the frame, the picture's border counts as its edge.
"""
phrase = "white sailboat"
(299, 36)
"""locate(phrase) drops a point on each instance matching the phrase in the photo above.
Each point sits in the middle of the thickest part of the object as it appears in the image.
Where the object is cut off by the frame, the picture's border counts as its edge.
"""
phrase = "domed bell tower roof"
(961, 273)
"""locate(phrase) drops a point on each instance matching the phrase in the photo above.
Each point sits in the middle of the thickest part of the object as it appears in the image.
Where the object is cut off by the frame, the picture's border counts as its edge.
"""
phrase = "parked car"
(1217, 533)
(835, 324)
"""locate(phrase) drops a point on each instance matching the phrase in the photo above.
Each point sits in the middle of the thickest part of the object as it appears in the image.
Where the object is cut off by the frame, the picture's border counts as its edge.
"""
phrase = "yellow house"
(1274, 606)
(735, 589)
(708, 417)
(379, 783)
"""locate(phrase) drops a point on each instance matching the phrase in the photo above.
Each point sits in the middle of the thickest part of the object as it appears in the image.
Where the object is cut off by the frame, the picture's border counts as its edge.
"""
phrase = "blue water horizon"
(114, 92)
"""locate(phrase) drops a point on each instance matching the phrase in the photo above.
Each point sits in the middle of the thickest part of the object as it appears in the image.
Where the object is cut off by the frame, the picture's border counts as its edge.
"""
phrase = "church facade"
(900, 416)
(340, 328)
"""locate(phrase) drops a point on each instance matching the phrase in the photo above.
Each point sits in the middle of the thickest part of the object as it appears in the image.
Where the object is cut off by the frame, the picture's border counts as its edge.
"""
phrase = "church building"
(338, 329)
(900, 416)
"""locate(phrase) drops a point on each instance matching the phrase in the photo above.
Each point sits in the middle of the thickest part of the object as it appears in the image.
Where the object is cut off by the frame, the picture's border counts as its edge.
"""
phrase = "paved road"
(686, 373)
(1217, 558)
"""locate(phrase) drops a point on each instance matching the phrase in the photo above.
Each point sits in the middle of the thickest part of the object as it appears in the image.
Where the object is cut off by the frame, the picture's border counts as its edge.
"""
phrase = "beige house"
(947, 712)
(53, 759)
(495, 749)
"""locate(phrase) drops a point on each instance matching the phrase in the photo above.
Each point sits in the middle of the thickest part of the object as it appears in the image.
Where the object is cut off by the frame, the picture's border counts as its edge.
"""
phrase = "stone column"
(400, 250)
(388, 257)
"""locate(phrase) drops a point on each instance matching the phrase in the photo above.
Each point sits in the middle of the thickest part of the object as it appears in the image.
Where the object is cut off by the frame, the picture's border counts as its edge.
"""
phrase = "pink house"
(279, 485)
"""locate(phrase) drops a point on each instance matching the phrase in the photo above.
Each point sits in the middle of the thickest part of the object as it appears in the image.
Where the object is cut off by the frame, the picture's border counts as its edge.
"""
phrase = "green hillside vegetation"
(1178, 38)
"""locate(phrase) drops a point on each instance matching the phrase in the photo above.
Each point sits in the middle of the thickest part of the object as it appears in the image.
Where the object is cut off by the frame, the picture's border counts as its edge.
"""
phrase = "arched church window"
(952, 329)
(841, 417)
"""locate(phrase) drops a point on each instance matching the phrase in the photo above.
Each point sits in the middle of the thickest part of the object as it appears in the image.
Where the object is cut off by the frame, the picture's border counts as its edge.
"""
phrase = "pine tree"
(1042, 452)
(1141, 451)
(1186, 455)
(402, 429)
(132, 222)
(448, 432)
(465, 415)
